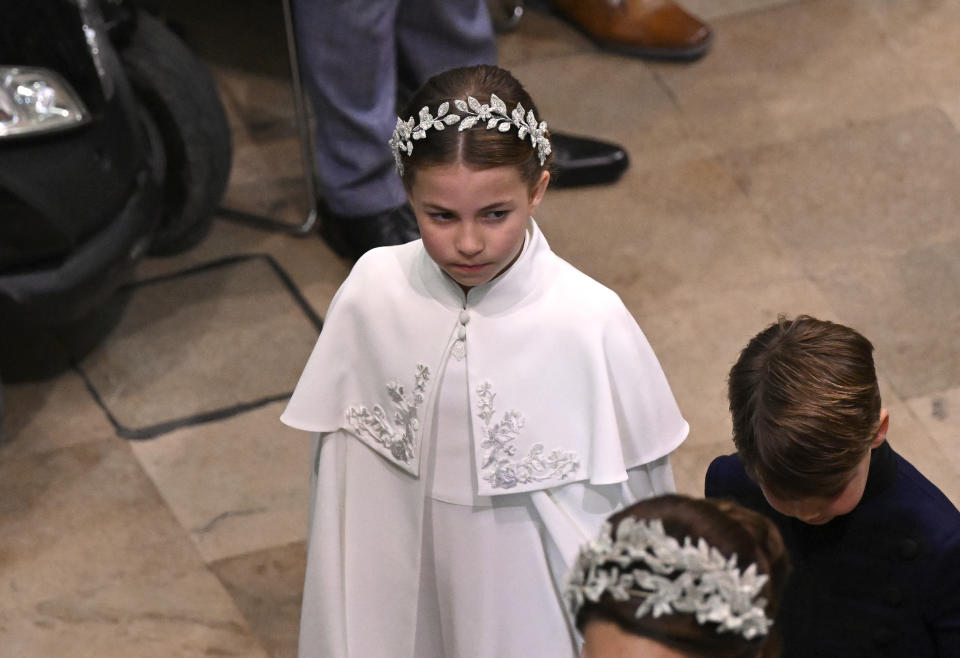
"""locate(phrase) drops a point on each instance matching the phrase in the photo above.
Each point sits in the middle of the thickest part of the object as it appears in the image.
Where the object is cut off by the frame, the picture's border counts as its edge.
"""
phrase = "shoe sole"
(689, 54)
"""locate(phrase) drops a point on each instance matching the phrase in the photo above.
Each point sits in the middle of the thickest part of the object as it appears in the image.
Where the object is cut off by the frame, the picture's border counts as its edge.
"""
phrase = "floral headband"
(646, 563)
(494, 114)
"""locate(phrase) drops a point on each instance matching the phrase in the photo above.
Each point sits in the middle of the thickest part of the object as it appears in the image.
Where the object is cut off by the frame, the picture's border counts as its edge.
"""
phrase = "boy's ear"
(881, 434)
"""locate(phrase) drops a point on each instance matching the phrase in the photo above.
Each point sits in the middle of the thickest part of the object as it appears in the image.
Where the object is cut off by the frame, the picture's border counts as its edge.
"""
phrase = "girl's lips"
(470, 268)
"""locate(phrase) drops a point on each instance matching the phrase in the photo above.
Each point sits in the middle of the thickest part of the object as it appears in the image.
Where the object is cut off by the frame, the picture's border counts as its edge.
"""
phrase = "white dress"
(425, 567)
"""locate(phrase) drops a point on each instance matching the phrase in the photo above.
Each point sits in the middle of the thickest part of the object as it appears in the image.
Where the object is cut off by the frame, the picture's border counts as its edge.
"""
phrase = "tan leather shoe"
(652, 29)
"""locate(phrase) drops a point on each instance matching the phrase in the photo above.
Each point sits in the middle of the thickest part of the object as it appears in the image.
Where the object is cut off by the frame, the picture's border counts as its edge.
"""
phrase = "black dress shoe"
(351, 237)
(584, 161)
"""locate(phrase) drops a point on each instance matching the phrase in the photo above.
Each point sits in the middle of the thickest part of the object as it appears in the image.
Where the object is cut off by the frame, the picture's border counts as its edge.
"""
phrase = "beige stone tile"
(268, 179)
(690, 464)
(273, 167)
(314, 269)
(93, 564)
(908, 305)
(264, 102)
(925, 34)
(613, 98)
(267, 586)
(539, 35)
(876, 188)
(796, 70)
(698, 342)
(51, 414)
(938, 457)
(200, 343)
(678, 234)
(238, 485)
(713, 9)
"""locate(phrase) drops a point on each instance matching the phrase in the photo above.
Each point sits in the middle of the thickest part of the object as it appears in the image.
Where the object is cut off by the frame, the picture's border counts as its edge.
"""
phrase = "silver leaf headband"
(646, 563)
(472, 112)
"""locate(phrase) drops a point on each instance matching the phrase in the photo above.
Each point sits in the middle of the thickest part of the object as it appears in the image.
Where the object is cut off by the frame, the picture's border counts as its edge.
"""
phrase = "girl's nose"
(469, 240)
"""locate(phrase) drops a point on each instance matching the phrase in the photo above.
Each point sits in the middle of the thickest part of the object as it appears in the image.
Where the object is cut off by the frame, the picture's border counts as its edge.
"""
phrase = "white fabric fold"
(563, 384)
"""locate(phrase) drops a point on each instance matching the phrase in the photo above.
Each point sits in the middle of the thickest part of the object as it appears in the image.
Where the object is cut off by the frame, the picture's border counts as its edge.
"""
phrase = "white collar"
(497, 295)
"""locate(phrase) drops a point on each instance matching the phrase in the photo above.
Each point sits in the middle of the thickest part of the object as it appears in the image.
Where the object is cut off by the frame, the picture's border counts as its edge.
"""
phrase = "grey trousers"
(350, 53)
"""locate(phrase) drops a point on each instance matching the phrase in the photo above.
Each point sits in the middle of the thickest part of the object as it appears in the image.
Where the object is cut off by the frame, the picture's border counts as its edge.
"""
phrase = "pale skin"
(818, 511)
(604, 639)
(473, 221)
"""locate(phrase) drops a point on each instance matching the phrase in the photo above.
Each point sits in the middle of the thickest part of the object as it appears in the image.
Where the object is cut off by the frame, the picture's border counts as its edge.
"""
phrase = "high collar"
(497, 295)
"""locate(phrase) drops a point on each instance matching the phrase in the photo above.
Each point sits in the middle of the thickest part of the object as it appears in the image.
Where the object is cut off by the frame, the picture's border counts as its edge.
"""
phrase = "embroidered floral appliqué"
(397, 438)
(504, 472)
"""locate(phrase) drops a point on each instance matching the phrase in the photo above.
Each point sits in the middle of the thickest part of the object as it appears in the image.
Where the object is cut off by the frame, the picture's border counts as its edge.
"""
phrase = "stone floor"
(807, 165)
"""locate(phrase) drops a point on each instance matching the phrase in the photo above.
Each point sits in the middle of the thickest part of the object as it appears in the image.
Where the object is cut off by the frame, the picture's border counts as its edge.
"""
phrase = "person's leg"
(436, 35)
(348, 56)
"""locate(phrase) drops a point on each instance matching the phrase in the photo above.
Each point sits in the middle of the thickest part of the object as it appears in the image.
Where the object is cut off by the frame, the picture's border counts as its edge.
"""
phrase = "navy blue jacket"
(883, 580)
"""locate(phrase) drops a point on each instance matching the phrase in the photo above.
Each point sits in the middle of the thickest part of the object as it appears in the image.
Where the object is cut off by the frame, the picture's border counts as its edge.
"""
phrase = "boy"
(875, 546)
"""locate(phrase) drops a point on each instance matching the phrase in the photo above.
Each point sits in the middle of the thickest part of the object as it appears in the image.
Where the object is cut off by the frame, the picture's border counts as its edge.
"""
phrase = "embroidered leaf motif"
(398, 440)
(499, 448)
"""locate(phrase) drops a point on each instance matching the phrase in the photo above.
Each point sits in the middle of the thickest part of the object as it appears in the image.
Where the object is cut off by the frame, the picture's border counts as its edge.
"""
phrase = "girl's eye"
(441, 216)
(498, 214)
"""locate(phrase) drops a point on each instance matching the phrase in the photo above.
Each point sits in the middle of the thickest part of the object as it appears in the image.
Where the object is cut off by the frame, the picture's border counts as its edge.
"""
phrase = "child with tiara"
(478, 406)
(679, 577)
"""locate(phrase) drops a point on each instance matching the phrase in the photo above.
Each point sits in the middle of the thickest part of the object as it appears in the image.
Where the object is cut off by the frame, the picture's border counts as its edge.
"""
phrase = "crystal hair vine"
(473, 112)
(646, 563)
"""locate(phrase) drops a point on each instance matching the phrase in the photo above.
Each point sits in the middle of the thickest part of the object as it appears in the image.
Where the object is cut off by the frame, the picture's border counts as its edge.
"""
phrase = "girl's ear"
(536, 194)
(881, 434)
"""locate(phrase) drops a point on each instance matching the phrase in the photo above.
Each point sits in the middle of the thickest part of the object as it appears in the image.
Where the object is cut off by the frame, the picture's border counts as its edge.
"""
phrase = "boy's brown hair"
(805, 405)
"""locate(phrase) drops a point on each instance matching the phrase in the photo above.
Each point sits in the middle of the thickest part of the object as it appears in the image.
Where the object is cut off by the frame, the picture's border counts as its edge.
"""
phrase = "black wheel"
(31, 352)
(181, 100)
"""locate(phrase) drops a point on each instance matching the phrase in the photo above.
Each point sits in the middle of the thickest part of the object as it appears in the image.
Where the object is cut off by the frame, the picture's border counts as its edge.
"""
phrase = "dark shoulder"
(924, 500)
(726, 472)
(726, 478)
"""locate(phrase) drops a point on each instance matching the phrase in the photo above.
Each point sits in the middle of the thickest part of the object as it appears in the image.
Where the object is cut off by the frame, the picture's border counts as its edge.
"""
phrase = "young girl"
(479, 406)
(679, 577)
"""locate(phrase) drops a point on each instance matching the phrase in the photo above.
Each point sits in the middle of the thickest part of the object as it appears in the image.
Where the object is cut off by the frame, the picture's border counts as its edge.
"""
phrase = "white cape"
(563, 384)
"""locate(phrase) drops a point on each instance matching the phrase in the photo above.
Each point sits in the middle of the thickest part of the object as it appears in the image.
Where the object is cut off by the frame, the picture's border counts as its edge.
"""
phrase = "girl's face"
(473, 221)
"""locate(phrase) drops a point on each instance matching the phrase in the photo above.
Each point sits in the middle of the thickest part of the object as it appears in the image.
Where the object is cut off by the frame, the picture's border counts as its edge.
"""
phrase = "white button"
(462, 333)
(464, 317)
